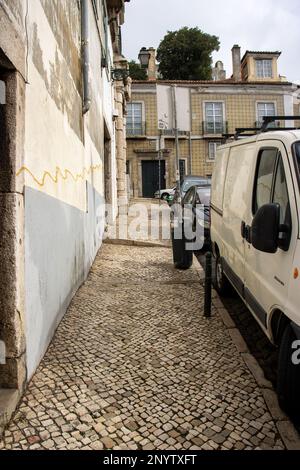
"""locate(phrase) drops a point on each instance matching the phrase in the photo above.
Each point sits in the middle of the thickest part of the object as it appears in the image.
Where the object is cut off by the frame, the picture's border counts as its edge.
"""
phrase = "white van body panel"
(218, 178)
(267, 276)
(267, 280)
(293, 299)
(235, 205)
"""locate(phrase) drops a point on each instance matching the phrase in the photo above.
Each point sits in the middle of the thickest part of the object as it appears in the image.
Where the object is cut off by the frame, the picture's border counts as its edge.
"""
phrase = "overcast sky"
(253, 24)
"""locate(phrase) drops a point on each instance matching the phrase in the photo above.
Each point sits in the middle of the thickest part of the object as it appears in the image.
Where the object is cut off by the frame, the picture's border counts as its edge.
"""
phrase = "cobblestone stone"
(134, 364)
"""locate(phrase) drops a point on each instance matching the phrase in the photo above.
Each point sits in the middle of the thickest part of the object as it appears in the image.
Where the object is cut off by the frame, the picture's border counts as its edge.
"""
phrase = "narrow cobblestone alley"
(135, 365)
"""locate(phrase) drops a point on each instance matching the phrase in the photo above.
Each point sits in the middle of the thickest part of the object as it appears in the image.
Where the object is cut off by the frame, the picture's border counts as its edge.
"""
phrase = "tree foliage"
(186, 54)
(136, 72)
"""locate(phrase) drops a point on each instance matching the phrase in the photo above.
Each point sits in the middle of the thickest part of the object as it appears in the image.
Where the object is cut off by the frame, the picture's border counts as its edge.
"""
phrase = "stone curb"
(140, 243)
(286, 429)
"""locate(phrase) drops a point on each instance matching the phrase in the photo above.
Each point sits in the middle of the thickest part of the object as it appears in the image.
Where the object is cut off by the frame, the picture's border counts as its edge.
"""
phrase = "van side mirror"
(265, 228)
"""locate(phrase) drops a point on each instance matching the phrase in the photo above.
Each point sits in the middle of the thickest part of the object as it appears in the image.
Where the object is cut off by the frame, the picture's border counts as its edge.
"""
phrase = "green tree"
(186, 54)
(136, 72)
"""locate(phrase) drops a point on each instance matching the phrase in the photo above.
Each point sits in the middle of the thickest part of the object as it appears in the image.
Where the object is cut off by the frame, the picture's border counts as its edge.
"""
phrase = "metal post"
(190, 152)
(208, 284)
(177, 166)
(159, 164)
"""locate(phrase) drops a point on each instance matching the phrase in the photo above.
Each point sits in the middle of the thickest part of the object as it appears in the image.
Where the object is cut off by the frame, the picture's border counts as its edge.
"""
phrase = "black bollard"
(208, 284)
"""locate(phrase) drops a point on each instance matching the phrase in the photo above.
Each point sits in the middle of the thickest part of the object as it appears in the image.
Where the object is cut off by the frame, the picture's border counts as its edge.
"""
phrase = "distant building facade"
(218, 106)
(63, 94)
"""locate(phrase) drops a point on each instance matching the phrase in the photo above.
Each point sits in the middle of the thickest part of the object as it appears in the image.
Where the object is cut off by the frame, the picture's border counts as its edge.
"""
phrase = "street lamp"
(144, 57)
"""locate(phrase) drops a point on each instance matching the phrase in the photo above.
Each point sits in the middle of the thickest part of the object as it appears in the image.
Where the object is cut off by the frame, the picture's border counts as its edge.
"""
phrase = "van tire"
(220, 281)
(288, 377)
(183, 259)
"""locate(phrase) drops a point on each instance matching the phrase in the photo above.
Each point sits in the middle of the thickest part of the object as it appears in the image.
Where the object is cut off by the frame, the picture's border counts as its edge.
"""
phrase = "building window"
(214, 118)
(264, 109)
(182, 169)
(212, 150)
(264, 68)
(127, 167)
(135, 119)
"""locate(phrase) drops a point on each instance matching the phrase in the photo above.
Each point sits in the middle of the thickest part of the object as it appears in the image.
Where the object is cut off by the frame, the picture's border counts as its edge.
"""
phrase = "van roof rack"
(251, 131)
(269, 119)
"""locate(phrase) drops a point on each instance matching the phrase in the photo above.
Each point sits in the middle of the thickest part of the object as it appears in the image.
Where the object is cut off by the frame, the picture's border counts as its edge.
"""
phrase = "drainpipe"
(85, 55)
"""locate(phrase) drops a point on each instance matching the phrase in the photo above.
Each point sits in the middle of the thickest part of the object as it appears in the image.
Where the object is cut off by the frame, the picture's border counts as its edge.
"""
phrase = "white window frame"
(264, 68)
(142, 103)
(216, 144)
(214, 102)
(265, 102)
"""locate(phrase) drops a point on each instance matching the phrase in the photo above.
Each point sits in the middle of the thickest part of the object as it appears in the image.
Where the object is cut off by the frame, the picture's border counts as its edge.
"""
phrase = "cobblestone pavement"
(135, 365)
(264, 352)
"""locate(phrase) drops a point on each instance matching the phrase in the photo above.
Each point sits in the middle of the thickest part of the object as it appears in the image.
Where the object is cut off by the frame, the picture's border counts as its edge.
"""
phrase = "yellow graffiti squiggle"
(59, 173)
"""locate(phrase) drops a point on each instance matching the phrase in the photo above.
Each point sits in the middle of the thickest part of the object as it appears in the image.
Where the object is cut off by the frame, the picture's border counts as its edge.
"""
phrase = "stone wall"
(54, 156)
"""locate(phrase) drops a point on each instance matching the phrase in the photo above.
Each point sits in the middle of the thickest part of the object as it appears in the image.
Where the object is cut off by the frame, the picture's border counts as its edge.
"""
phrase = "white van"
(255, 234)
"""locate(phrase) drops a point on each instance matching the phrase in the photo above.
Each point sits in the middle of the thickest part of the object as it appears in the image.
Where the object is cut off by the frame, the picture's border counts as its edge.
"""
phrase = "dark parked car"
(199, 196)
(186, 183)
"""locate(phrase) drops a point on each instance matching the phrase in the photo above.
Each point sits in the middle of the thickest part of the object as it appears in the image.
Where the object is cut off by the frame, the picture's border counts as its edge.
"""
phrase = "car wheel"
(288, 377)
(183, 259)
(221, 283)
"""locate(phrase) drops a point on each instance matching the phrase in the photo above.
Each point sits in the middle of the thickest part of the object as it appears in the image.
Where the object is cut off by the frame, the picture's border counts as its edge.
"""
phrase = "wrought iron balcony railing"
(214, 128)
(171, 133)
(138, 130)
(276, 124)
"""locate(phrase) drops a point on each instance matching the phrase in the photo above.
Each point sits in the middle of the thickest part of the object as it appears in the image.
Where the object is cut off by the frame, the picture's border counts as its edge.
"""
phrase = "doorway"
(151, 177)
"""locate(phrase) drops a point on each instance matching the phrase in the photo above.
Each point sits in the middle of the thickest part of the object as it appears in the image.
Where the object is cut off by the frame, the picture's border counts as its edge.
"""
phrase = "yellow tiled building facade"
(216, 107)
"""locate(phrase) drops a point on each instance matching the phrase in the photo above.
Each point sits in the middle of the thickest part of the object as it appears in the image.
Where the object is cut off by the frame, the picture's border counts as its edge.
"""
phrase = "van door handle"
(246, 232)
(243, 226)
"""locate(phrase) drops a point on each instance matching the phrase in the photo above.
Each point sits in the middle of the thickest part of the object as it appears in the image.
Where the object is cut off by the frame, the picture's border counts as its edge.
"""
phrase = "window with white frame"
(264, 68)
(265, 109)
(212, 150)
(135, 119)
(214, 117)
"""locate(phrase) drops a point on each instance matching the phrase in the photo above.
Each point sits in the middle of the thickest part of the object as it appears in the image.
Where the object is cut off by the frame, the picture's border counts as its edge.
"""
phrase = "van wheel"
(221, 283)
(288, 377)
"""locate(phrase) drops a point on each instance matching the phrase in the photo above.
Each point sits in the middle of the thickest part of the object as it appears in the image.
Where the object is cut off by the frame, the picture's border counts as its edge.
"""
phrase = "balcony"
(171, 133)
(136, 131)
(258, 124)
(210, 128)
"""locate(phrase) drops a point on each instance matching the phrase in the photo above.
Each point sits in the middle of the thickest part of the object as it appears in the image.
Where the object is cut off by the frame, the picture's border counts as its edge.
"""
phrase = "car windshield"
(204, 196)
(189, 183)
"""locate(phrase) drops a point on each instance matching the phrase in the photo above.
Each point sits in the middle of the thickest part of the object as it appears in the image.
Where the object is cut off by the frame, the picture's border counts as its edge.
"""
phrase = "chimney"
(152, 68)
(236, 63)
